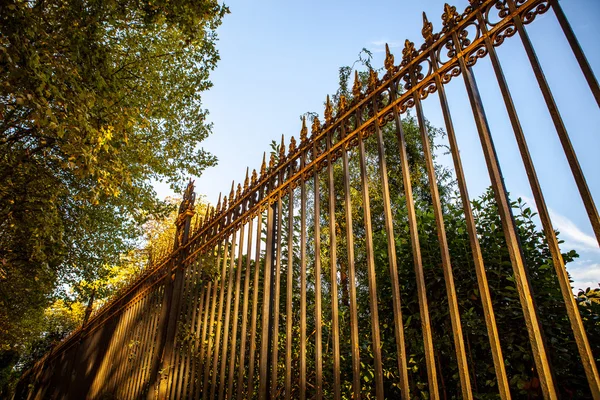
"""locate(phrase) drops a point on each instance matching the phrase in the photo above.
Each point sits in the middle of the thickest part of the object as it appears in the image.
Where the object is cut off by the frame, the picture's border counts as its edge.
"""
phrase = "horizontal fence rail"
(354, 264)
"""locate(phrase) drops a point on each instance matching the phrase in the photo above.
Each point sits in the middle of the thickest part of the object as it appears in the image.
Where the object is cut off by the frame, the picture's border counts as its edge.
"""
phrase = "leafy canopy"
(98, 99)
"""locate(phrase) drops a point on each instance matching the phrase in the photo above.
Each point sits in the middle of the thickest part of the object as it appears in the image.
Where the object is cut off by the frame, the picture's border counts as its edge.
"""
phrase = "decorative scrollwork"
(451, 73)
(328, 111)
(503, 33)
(388, 63)
(476, 53)
(316, 126)
(189, 198)
(427, 89)
(529, 14)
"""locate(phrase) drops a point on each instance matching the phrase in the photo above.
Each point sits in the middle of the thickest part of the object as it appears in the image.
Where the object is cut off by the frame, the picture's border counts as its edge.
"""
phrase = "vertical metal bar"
(391, 246)
(351, 275)
(209, 302)
(266, 313)
(289, 318)
(196, 313)
(211, 325)
(227, 318)
(371, 268)
(576, 47)
(240, 377)
(179, 355)
(335, 328)
(236, 309)
(459, 343)
(484, 291)
(303, 282)
(147, 344)
(276, 294)
(121, 367)
(317, 271)
(215, 362)
(142, 339)
(416, 252)
(561, 130)
(510, 233)
(585, 351)
(250, 385)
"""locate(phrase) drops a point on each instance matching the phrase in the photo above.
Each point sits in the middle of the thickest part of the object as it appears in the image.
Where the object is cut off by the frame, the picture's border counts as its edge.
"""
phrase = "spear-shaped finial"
(303, 131)
(356, 88)
(373, 79)
(263, 167)
(231, 193)
(389, 61)
(224, 203)
(328, 111)
(238, 192)
(218, 209)
(292, 148)
(272, 162)
(342, 104)
(246, 181)
(316, 126)
(282, 149)
(427, 30)
(254, 177)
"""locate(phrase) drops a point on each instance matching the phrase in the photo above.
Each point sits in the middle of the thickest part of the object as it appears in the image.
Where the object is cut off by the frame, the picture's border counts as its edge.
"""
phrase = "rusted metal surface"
(278, 290)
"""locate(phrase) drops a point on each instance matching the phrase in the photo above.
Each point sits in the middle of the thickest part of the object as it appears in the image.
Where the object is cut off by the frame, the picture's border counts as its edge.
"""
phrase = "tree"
(98, 100)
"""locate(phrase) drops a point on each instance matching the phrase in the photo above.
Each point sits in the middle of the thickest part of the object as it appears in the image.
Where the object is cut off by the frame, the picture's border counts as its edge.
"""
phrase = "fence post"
(171, 299)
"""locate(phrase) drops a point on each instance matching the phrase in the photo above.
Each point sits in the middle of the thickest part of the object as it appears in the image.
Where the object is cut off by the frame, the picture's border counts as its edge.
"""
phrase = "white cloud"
(378, 46)
(574, 237)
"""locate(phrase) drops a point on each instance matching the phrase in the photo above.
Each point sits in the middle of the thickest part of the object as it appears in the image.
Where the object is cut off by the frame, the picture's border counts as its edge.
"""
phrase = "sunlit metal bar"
(370, 268)
(303, 282)
(576, 47)
(241, 367)
(236, 308)
(484, 291)
(276, 296)
(317, 272)
(510, 233)
(289, 318)
(254, 320)
(209, 348)
(391, 247)
(334, 278)
(416, 253)
(561, 130)
(218, 332)
(351, 276)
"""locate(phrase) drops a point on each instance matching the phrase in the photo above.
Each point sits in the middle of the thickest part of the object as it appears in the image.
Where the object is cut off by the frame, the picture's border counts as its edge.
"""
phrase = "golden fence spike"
(389, 61)
(409, 52)
(316, 126)
(373, 79)
(328, 111)
(282, 149)
(272, 162)
(292, 145)
(427, 30)
(450, 16)
(238, 193)
(356, 88)
(254, 177)
(246, 181)
(231, 193)
(303, 131)
(342, 104)
(263, 167)
(218, 204)
(224, 203)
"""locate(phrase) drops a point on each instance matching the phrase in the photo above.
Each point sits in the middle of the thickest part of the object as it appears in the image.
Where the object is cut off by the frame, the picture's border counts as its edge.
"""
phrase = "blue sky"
(280, 59)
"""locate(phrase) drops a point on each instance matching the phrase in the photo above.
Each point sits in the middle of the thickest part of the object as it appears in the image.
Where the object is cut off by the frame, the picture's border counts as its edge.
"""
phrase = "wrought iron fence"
(347, 269)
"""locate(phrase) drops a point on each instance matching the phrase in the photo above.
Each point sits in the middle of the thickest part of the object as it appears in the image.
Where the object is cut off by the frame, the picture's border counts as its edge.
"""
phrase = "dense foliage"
(98, 99)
